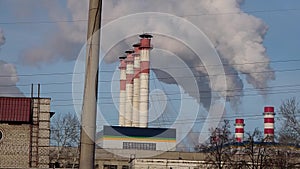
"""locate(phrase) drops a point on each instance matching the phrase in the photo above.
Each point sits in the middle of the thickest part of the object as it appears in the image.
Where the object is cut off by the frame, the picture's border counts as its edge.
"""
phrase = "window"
(139, 146)
(110, 166)
(125, 167)
(1, 135)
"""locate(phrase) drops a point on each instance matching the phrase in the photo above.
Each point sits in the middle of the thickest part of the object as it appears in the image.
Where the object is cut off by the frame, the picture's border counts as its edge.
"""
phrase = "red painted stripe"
(269, 120)
(269, 131)
(122, 67)
(137, 72)
(122, 84)
(269, 109)
(145, 43)
(122, 64)
(144, 66)
(145, 71)
(239, 130)
(129, 78)
(238, 140)
(239, 121)
(136, 50)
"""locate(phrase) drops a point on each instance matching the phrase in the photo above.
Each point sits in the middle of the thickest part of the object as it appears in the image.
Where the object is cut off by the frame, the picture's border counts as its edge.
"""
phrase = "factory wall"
(14, 146)
(25, 128)
(138, 138)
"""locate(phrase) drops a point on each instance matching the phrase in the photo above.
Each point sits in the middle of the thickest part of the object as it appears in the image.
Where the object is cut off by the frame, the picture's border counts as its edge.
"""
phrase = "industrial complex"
(25, 130)
(133, 131)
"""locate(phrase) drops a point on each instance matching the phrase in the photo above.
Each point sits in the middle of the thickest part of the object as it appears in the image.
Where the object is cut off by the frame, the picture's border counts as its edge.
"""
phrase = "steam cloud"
(8, 76)
(2, 38)
(237, 36)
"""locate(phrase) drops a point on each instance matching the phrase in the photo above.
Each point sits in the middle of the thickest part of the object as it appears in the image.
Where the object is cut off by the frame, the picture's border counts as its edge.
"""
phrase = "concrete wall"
(14, 146)
(164, 163)
(118, 144)
(27, 145)
(41, 121)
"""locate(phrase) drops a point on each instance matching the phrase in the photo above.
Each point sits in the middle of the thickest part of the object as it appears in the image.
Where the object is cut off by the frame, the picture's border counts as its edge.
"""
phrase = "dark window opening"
(139, 146)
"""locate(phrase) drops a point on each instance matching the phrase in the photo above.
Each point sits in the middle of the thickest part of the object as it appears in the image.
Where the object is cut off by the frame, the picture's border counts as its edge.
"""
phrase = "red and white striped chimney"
(145, 47)
(129, 88)
(239, 130)
(269, 123)
(136, 86)
(122, 103)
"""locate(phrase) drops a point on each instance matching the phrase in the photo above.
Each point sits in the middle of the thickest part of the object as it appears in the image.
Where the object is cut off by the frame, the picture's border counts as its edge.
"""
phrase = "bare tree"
(219, 152)
(258, 152)
(64, 138)
(290, 118)
(286, 157)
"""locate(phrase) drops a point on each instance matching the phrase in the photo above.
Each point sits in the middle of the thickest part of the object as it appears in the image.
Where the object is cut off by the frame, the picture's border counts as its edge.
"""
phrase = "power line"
(116, 17)
(179, 99)
(169, 67)
(176, 92)
(193, 76)
(172, 77)
(43, 22)
(258, 116)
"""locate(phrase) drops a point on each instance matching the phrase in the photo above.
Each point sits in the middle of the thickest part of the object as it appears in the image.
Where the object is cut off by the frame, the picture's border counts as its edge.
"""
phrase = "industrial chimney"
(145, 47)
(269, 124)
(122, 68)
(239, 130)
(129, 88)
(136, 86)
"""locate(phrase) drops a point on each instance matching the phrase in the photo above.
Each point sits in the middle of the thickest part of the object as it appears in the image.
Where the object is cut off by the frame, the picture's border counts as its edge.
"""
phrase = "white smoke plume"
(8, 80)
(8, 76)
(237, 36)
(2, 38)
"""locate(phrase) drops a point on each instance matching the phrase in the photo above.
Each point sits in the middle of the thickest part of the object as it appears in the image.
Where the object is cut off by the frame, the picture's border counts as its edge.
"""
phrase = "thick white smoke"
(2, 38)
(237, 36)
(8, 76)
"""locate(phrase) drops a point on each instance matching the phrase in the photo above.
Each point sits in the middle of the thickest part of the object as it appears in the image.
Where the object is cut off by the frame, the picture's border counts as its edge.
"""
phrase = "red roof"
(15, 109)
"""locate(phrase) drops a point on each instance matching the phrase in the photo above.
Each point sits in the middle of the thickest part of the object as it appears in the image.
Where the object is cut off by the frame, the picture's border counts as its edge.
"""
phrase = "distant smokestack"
(122, 104)
(145, 47)
(269, 124)
(239, 130)
(136, 86)
(129, 88)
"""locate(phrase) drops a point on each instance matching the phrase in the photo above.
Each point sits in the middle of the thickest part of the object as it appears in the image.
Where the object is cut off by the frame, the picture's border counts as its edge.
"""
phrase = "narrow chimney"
(129, 88)
(239, 130)
(145, 47)
(136, 86)
(122, 104)
(269, 124)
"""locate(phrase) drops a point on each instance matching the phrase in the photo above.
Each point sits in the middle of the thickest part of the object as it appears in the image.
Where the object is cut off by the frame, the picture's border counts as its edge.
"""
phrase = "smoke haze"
(237, 37)
(2, 38)
(8, 76)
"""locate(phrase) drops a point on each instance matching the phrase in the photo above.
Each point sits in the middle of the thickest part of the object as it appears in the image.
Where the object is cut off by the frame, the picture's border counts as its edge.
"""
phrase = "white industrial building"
(133, 131)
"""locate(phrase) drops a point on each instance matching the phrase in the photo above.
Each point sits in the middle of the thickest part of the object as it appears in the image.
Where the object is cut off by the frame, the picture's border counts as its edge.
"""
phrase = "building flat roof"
(139, 132)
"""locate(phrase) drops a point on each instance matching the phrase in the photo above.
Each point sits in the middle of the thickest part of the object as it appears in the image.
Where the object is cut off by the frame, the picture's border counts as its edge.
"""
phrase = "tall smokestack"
(122, 104)
(269, 124)
(129, 88)
(144, 78)
(136, 86)
(239, 130)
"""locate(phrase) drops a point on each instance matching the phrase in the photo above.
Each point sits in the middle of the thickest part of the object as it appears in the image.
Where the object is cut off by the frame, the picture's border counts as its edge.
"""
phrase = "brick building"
(24, 132)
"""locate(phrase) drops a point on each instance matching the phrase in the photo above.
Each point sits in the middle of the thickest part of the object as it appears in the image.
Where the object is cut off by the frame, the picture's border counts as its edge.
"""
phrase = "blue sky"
(27, 25)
